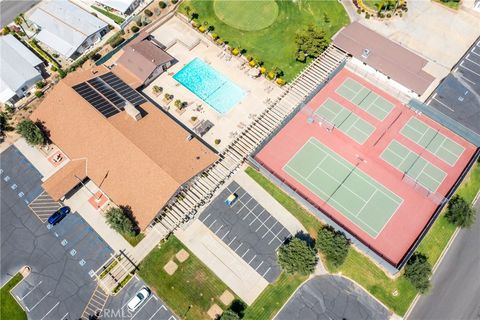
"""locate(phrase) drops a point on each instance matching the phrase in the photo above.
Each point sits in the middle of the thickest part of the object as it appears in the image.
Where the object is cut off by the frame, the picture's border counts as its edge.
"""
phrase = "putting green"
(246, 15)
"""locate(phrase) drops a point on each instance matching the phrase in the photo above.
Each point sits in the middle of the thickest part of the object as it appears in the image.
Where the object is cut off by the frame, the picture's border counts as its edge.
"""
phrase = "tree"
(19, 21)
(29, 130)
(333, 245)
(311, 41)
(297, 256)
(119, 221)
(229, 315)
(418, 271)
(460, 212)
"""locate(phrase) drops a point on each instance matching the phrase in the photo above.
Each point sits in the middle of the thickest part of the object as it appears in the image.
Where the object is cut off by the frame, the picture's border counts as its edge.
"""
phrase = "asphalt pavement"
(9, 9)
(332, 297)
(455, 292)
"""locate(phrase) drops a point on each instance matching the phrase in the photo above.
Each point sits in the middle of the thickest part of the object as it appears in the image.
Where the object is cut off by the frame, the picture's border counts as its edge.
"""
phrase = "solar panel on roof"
(123, 89)
(107, 92)
(96, 100)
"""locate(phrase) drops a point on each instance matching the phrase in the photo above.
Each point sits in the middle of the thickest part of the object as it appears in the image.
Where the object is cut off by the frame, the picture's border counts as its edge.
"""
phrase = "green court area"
(345, 120)
(413, 165)
(355, 195)
(365, 99)
(432, 140)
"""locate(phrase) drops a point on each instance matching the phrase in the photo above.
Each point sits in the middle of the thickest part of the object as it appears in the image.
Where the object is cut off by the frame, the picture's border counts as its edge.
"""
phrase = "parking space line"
(34, 287)
(211, 224)
(65, 316)
(259, 265)
(241, 243)
(162, 306)
(146, 302)
(461, 64)
(443, 104)
(225, 234)
(219, 229)
(50, 310)
(206, 218)
(266, 271)
(248, 249)
(38, 301)
(252, 259)
(478, 64)
(232, 240)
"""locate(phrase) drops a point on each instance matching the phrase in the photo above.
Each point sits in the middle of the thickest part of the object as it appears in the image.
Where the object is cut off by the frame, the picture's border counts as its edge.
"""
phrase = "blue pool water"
(209, 85)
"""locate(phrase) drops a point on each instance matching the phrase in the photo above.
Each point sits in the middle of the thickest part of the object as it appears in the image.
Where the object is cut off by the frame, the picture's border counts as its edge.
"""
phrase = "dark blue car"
(58, 215)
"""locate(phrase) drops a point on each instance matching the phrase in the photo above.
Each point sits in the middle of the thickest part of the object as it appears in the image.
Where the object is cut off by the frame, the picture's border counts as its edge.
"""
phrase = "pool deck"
(227, 125)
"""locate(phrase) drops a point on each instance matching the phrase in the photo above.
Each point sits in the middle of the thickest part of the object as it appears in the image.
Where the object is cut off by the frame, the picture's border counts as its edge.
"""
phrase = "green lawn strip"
(108, 269)
(133, 240)
(10, 309)
(114, 17)
(450, 4)
(123, 283)
(274, 297)
(440, 233)
(192, 284)
(275, 45)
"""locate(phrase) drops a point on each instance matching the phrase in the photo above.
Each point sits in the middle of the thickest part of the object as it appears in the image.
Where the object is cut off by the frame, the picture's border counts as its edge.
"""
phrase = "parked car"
(231, 199)
(58, 215)
(139, 298)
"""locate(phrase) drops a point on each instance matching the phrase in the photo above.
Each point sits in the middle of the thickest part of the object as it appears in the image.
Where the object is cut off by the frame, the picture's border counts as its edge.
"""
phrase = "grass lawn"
(274, 297)
(114, 17)
(274, 45)
(9, 308)
(133, 240)
(363, 270)
(192, 284)
(451, 4)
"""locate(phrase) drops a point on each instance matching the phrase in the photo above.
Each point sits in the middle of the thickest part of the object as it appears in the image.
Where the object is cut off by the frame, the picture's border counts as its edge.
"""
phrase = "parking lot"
(248, 229)
(152, 309)
(458, 96)
(63, 258)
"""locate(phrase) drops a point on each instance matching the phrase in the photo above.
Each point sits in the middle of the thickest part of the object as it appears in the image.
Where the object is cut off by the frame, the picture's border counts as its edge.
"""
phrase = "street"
(9, 9)
(455, 292)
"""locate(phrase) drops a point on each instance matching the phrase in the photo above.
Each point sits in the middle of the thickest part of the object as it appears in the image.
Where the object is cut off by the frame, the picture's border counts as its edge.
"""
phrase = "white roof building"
(65, 27)
(123, 6)
(18, 68)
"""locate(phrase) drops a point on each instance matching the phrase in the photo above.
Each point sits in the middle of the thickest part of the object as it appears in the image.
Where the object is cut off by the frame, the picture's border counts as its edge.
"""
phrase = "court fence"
(446, 121)
(435, 197)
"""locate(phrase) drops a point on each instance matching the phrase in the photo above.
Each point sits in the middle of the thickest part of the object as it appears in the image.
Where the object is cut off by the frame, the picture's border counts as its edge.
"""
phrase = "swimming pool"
(209, 85)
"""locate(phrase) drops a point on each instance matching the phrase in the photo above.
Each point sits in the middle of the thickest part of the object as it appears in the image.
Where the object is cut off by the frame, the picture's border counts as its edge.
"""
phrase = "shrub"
(229, 315)
(217, 141)
(139, 23)
(40, 84)
(55, 55)
(174, 1)
(168, 96)
(359, 11)
(119, 221)
(6, 30)
(38, 94)
(367, 15)
(280, 81)
(214, 36)
(53, 68)
(333, 245)
(62, 73)
(117, 42)
(418, 272)
(177, 103)
(162, 4)
(194, 118)
(202, 29)
(210, 28)
(271, 74)
(312, 41)
(389, 15)
(296, 256)
(252, 63)
(148, 13)
(135, 29)
(156, 89)
(460, 212)
(300, 56)
(32, 134)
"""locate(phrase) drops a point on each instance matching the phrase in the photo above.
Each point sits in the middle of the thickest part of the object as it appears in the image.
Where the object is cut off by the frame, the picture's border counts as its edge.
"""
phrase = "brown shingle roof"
(142, 58)
(386, 56)
(66, 178)
(140, 164)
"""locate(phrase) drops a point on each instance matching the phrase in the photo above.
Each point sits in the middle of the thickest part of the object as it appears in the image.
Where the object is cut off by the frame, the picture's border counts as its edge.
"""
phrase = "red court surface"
(401, 231)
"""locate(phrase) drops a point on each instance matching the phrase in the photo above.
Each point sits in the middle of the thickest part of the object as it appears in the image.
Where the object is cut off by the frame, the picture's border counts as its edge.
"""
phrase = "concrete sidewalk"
(37, 158)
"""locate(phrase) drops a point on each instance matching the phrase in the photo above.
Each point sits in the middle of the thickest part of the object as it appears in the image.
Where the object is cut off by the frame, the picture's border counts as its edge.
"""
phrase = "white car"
(139, 298)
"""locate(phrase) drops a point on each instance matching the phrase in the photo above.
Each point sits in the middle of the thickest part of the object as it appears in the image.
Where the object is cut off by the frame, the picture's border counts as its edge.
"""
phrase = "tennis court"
(345, 120)
(432, 140)
(342, 185)
(365, 99)
(412, 164)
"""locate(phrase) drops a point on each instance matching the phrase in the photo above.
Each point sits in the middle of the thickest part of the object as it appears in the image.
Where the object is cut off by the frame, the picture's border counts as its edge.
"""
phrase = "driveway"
(332, 297)
(455, 292)
(152, 309)
(63, 258)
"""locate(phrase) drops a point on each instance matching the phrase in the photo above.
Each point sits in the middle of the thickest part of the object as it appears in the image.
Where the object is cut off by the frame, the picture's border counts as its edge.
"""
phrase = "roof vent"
(365, 53)
(132, 111)
(190, 137)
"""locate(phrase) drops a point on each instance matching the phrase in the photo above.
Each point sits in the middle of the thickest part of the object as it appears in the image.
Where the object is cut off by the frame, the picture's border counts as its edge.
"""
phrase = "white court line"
(34, 287)
(146, 302)
(50, 310)
(38, 301)
(162, 307)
